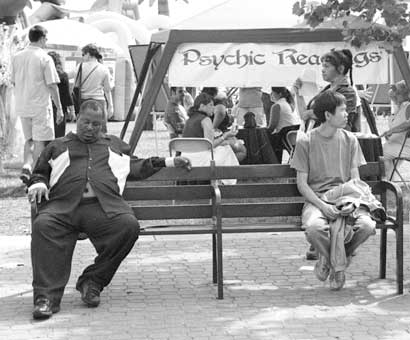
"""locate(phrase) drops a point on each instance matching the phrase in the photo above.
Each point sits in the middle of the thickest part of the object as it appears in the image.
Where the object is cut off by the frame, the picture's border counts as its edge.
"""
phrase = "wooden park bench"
(262, 191)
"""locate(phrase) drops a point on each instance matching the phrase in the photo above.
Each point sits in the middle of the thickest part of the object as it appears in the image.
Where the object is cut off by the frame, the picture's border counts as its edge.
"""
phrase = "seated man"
(326, 158)
(77, 183)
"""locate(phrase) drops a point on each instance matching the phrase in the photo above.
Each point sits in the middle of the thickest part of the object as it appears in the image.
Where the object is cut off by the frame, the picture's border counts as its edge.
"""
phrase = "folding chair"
(191, 145)
(290, 143)
(398, 159)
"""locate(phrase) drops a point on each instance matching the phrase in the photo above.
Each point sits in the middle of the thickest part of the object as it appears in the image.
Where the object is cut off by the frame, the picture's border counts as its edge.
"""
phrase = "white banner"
(247, 65)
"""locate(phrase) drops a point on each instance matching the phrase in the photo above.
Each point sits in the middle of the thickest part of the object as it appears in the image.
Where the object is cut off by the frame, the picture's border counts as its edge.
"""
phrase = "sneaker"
(43, 308)
(337, 280)
(312, 254)
(25, 175)
(90, 293)
(322, 268)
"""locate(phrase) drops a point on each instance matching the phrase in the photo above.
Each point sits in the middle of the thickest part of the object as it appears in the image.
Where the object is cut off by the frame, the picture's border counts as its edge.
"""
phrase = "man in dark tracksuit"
(77, 183)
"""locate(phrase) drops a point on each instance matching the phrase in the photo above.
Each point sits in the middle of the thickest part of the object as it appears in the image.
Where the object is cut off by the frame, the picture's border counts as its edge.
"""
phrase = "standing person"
(175, 114)
(250, 100)
(282, 118)
(336, 65)
(399, 125)
(65, 97)
(35, 78)
(95, 81)
(327, 159)
(77, 183)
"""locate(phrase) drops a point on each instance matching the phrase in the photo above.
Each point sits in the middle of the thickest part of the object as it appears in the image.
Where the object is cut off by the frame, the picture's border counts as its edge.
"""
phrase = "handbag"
(76, 94)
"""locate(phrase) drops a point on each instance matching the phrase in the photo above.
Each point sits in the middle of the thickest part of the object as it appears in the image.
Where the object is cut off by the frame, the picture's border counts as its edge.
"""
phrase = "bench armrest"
(385, 186)
(216, 205)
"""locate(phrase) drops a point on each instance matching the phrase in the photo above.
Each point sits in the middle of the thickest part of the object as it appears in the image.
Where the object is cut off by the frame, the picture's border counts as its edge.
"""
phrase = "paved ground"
(164, 291)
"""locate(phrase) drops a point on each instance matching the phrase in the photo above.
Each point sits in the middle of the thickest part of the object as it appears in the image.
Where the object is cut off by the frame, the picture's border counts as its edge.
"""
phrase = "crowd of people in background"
(43, 97)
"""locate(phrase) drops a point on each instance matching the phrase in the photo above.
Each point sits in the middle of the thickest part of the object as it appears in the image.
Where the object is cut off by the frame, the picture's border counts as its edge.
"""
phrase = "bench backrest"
(267, 190)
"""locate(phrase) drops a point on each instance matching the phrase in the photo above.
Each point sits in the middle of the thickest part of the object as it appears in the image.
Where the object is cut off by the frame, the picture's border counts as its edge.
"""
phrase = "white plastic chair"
(191, 145)
(290, 143)
(398, 159)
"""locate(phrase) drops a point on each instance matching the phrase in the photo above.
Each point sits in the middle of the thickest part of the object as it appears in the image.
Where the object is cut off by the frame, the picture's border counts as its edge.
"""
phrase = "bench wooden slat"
(178, 230)
(261, 209)
(159, 212)
(370, 169)
(255, 171)
(259, 190)
(157, 193)
(176, 174)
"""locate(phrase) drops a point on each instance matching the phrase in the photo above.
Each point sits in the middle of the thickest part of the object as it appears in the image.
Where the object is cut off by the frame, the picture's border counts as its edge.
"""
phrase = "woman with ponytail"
(337, 67)
(282, 118)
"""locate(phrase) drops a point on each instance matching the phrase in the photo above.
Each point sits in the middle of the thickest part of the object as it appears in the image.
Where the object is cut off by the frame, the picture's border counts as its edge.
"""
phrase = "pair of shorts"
(39, 127)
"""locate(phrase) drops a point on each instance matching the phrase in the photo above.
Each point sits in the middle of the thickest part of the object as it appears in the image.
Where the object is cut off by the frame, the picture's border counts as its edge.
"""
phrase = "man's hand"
(230, 133)
(37, 193)
(110, 112)
(182, 162)
(330, 211)
(366, 94)
(70, 114)
(59, 116)
(386, 134)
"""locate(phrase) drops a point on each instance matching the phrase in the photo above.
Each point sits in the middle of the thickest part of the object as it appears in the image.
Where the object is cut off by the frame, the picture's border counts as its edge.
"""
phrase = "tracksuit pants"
(53, 240)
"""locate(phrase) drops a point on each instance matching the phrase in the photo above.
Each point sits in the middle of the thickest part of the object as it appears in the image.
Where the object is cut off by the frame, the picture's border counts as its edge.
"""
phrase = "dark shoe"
(90, 293)
(43, 308)
(337, 280)
(322, 268)
(312, 254)
(25, 175)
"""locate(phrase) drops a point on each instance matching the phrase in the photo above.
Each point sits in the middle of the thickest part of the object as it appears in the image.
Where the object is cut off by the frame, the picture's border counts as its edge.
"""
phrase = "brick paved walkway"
(164, 291)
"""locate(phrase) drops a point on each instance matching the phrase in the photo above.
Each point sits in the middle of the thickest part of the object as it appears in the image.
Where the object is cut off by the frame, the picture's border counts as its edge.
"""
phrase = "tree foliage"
(362, 21)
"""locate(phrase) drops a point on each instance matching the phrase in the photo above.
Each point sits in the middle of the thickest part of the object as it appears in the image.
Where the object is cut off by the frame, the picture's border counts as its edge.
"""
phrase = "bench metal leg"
(220, 265)
(214, 264)
(383, 247)
(399, 260)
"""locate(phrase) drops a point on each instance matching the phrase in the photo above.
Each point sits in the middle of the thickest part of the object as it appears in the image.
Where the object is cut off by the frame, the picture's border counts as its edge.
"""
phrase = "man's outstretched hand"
(36, 194)
(182, 162)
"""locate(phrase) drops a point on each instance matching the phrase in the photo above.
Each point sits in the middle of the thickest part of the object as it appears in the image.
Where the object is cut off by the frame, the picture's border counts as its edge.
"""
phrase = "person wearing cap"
(77, 186)
(95, 81)
(399, 124)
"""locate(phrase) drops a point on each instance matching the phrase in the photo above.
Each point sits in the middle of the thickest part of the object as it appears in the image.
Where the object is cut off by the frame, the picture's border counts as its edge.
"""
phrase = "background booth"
(261, 47)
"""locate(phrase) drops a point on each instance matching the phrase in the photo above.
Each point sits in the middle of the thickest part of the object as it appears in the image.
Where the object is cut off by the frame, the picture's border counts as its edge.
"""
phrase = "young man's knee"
(315, 228)
(366, 225)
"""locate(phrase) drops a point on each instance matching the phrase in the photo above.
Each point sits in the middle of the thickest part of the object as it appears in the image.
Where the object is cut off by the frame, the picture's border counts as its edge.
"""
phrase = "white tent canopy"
(248, 64)
(244, 14)
(73, 33)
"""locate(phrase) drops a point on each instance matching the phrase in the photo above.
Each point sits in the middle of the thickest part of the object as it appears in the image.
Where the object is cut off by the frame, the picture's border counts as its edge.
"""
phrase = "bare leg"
(28, 154)
(38, 147)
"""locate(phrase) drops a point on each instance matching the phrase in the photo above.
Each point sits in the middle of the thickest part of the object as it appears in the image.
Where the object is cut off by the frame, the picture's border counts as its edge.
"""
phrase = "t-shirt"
(250, 97)
(328, 161)
(287, 116)
(99, 80)
(32, 71)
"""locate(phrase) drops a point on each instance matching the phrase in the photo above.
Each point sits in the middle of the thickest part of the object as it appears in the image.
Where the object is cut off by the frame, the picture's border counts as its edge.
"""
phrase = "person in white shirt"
(95, 81)
(35, 78)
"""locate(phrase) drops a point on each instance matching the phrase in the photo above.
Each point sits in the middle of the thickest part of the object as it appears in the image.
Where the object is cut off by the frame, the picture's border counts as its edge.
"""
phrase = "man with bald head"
(77, 185)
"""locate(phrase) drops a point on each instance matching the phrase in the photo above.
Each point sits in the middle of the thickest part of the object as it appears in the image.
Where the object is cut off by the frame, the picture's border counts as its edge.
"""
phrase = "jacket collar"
(73, 136)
